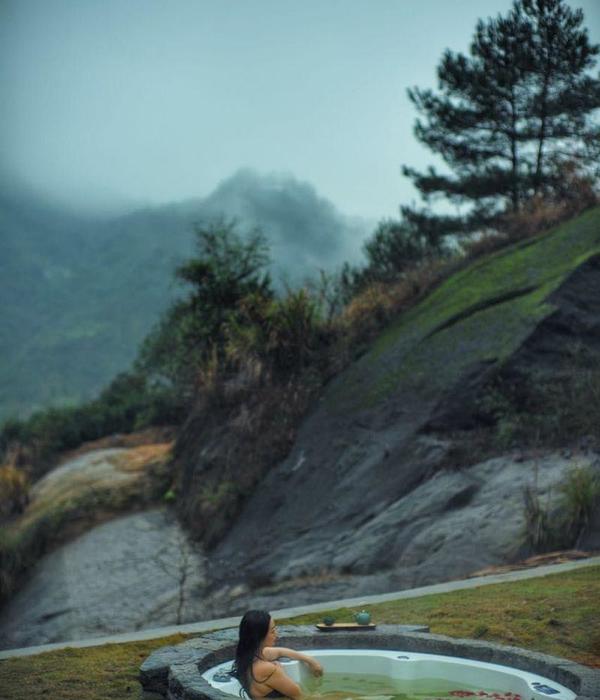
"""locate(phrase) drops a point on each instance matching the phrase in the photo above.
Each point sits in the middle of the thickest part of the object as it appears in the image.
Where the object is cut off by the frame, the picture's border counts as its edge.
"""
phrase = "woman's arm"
(272, 653)
(280, 681)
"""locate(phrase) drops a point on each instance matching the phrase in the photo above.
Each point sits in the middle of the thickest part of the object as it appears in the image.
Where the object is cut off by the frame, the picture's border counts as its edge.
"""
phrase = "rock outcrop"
(134, 572)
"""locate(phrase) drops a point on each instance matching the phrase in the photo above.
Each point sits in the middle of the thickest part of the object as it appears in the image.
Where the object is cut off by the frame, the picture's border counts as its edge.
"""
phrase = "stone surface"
(154, 671)
(118, 577)
(444, 528)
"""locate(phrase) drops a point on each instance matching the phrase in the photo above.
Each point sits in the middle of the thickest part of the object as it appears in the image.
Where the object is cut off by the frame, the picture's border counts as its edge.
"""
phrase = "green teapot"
(362, 617)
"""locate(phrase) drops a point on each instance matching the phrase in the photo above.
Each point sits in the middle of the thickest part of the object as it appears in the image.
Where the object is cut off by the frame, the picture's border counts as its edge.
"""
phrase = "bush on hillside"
(192, 334)
(561, 527)
(129, 403)
(396, 249)
(541, 213)
(576, 193)
(14, 490)
(378, 303)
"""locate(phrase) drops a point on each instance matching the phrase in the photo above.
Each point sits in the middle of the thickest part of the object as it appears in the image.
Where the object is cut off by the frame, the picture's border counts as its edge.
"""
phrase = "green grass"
(107, 672)
(557, 614)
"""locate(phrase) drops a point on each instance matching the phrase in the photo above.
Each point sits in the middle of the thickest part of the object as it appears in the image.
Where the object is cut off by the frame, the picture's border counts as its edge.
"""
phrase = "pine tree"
(508, 117)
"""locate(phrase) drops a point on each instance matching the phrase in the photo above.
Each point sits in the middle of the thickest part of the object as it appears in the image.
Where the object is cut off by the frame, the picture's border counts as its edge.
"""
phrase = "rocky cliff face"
(365, 500)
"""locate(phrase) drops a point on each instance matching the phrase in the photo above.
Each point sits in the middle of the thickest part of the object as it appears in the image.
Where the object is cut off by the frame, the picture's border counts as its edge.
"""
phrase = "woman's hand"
(315, 667)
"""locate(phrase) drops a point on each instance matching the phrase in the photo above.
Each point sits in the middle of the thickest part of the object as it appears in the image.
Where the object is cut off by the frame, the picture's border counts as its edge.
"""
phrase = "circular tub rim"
(361, 655)
(180, 675)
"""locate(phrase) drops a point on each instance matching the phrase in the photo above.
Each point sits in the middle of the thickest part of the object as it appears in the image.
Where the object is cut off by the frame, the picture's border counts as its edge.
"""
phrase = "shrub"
(128, 403)
(573, 193)
(293, 326)
(14, 490)
(228, 269)
(562, 526)
(280, 335)
(489, 242)
(376, 304)
(580, 494)
(539, 533)
(535, 216)
(397, 247)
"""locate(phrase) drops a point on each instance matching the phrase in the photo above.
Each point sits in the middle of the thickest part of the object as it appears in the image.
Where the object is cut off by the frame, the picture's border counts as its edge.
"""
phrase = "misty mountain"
(80, 293)
(305, 231)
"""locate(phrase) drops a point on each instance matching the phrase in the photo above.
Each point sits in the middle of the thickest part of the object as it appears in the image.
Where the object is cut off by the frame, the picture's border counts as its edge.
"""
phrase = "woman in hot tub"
(256, 665)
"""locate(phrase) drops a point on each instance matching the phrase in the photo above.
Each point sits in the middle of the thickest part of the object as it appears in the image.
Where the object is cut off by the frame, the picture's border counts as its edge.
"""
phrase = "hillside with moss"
(480, 315)
(413, 441)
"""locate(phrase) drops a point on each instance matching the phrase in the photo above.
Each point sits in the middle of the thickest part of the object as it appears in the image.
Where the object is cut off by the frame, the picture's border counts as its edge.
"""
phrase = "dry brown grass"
(371, 309)
(536, 215)
(153, 436)
(14, 490)
(108, 485)
(488, 243)
(143, 458)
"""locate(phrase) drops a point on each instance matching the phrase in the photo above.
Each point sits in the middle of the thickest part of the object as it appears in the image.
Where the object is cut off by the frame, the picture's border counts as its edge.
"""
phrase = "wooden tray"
(337, 626)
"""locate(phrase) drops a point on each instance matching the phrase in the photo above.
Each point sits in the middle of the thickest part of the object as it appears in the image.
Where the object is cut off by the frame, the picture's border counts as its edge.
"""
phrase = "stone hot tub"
(413, 661)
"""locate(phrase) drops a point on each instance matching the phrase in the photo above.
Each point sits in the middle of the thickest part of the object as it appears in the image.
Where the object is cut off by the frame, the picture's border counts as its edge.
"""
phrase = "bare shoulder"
(262, 670)
(272, 653)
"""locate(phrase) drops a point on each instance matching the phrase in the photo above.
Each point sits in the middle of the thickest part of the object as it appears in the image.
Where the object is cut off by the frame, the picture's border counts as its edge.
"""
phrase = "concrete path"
(225, 622)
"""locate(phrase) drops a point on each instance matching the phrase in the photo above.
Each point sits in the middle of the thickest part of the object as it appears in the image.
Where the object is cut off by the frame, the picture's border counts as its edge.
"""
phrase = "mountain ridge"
(82, 293)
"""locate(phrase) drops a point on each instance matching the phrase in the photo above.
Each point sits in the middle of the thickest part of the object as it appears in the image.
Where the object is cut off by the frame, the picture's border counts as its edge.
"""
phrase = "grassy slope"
(481, 313)
(557, 614)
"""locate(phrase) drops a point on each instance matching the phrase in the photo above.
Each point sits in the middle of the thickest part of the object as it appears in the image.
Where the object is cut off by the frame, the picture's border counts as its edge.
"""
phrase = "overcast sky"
(121, 102)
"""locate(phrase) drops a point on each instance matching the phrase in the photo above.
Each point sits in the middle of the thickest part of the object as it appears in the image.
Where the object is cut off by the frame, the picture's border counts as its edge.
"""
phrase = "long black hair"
(254, 627)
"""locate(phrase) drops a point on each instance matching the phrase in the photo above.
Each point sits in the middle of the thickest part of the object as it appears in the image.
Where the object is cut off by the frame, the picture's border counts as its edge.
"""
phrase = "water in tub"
(390, 675)
(352, 686)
